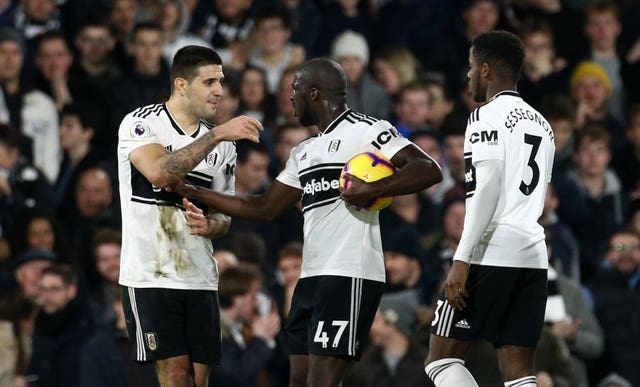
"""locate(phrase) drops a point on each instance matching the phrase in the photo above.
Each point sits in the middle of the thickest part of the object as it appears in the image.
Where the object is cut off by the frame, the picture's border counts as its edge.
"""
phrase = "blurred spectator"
(454, 157)
(225, 27)
(248, 338)
(40, 229)
(122, 19)
(430, 142)
(602, 28)
(7, 10)
(449, 54)
(441, 244)
(252, 166)
(228, 104)
(285, 112)
(591, 198)
(563, 243)
(412, 108)
(591, 90)
(22, 186)
(146, 82)
(405, 265)
(394, 67)
(27, 271)
(616, 299)
(289, 268)
(53, 60)
(288, 137)
(33, 112)
(306, 22)
(106, 247)
(339, 16)
(92, 77)
(14, 341)
(564, 19)
(225, 259)
(393, 359)
(441, 103)
(62, 327)
(33, 17)
(255, 100)
(626, 162)
(273, 52)
(351, 51)
(572, 321)
(174, 19)
(76, 132)
(541, 72)
(560, 112)
(416, 210)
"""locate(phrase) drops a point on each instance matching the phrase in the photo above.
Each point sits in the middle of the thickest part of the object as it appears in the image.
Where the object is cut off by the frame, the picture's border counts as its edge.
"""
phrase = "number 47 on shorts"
(321, 336)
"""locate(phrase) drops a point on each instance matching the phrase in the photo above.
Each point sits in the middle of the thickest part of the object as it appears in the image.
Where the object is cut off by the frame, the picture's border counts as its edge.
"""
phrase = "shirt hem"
(132, 284)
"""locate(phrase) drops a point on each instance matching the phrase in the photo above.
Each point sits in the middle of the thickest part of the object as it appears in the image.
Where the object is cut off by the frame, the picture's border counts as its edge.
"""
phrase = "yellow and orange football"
(369, 167)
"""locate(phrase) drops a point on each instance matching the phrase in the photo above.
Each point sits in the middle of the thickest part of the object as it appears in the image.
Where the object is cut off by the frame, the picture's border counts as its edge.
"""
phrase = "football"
(369, 167)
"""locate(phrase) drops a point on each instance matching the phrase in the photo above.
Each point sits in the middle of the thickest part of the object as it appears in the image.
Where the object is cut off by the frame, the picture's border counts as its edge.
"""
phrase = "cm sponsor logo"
(490, 137)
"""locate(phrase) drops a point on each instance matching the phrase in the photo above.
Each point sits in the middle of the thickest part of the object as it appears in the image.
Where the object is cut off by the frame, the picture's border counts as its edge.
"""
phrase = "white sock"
(527, 381)
(450, 372)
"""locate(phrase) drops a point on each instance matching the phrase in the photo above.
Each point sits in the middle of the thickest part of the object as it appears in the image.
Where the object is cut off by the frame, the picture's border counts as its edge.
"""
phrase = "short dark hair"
(291, 249)
(106, 236)
(236, 281)
(189, 58)
(593, 133)
(64, 271)
(502, 50)
(273, 12)
(557, 107)
(245, 147)
(145, 26)
(84, 114)
(50, 35)
(9, 136)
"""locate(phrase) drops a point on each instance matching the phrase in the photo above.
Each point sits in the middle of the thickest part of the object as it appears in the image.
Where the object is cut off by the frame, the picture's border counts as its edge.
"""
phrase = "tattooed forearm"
(177, 164)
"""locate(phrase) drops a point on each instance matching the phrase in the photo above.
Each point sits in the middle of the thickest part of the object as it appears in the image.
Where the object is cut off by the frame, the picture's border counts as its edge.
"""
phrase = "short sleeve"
(289, 174)
(384, 138)
(136, 132)
(485, 140)
(225, 182)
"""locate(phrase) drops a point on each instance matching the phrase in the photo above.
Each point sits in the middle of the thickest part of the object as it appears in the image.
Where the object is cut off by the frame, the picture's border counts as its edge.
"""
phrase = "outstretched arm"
(416, 172)
(163, 169)
(266, 206)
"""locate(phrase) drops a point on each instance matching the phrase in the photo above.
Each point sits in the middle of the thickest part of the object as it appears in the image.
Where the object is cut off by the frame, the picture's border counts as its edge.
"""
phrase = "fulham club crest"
(333, 146)
(152, 340)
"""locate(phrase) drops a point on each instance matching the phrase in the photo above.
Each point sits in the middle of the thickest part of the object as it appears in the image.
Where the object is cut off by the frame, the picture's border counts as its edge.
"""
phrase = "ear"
(90, 132)
(314, 94)
(485, 70)
(179, 85)
(72, 292)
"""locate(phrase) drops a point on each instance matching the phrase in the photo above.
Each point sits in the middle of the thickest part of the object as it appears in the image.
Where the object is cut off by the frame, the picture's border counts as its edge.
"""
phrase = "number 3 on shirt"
(322, 337)
(534, 141)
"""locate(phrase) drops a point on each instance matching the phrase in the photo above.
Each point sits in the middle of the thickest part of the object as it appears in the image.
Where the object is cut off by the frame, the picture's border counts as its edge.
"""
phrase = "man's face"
(39, 10)
(562, 131)
(477, 87)
(11, 58)
(252, 90)
(247, 304)
(624, 252)
(205, 90)
(633, 130)
(53, 58)
(253, 173)
(28, 276)
(123, 15)
(54, 294)
(299, 101)
(93, 193)
(538, 47)
(272, 35)
(95, 43)
(592, 158)
(399, 268)
(592, 91)
(353, 68)
(285, 108)
(386, 76)
(146, 48)
(108, 261)
(291, 267)
(413, 108)
(8, 157)
(40, 234)
(481, 17)
(289, 139)
(454, 153)
(454, 221)
(602, 29)
(72, 134)
(231, 9)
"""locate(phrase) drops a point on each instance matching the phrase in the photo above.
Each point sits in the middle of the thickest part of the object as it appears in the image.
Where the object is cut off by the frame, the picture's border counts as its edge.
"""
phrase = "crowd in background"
(71, 69)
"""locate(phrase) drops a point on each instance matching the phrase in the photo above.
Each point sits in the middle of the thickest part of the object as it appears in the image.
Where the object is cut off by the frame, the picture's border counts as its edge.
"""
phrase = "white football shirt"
(157, 249)
(509, 130)
(339, 239)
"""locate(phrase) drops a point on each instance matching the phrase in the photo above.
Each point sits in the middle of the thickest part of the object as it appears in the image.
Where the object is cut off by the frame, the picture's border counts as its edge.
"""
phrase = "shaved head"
(325, 75)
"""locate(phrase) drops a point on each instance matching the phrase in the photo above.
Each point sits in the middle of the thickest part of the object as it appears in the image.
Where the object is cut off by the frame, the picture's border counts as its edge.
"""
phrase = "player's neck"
(499, 87)
(187, 122)
(329, 114)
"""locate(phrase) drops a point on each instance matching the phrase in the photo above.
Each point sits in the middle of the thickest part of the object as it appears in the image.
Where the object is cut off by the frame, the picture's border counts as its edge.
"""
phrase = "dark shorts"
(332, 315)
(505, 306)
(164, 323)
